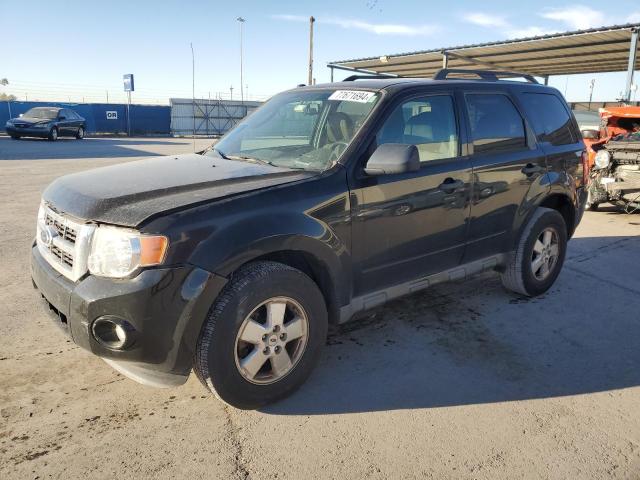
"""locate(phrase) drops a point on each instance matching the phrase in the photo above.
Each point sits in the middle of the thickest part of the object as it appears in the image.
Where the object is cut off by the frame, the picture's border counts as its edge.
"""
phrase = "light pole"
(311, 22)
(591, 85)
(241, 21)
(193, 94)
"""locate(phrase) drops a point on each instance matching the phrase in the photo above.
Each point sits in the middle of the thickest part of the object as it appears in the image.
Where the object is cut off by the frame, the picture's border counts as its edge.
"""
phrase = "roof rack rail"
(353, 78)
(490, 75)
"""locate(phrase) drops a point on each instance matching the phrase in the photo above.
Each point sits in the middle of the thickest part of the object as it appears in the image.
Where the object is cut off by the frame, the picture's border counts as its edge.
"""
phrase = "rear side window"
(549, 117)
(496, 124)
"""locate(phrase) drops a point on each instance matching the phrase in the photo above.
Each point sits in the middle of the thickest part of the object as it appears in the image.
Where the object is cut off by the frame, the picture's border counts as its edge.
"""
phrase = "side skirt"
(375, 299)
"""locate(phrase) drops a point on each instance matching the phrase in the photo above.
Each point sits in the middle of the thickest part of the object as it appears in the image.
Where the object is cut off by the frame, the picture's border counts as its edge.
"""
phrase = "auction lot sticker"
(352, 96)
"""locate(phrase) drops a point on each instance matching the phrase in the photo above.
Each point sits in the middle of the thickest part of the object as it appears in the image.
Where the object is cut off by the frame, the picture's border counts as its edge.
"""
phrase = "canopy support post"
(445, 60)
(633, 51)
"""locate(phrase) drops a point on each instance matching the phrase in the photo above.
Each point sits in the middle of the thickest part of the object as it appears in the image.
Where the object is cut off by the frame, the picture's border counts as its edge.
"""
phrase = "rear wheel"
(80, 133)
(53, 134)
(15, 137)
(539, 256)
(263, 335)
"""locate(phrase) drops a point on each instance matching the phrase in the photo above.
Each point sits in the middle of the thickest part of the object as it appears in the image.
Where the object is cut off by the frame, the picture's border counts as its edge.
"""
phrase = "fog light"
(113, 332)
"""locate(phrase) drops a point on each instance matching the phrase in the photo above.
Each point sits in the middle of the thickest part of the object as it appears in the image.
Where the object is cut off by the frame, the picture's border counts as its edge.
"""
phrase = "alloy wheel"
(271, 340)
(545, 253)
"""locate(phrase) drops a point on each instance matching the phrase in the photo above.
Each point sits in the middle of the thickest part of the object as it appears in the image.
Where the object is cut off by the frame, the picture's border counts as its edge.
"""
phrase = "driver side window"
(429, 123)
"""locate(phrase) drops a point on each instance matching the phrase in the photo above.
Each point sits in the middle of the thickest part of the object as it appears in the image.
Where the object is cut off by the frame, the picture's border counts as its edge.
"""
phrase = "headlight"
(118, 252)
(9, 123)
(603, 158)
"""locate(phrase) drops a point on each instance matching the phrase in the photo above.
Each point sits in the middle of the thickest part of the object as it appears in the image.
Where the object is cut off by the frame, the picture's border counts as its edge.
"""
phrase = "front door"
(413, 224)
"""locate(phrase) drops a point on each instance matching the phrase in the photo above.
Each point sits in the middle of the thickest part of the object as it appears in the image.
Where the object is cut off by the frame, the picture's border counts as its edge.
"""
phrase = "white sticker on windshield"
(352, 96)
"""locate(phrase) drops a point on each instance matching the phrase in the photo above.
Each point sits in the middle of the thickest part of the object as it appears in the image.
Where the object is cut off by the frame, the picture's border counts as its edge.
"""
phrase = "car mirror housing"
(62, 117)
(590, 134)
(390, 158)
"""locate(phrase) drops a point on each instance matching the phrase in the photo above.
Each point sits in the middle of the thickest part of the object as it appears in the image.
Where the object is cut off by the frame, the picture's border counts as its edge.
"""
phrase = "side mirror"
(62, 117)
(590, 134)
(392, 158)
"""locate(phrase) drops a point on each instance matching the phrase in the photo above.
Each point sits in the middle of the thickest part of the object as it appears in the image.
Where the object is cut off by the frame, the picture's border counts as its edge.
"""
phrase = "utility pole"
(107, 95)
(231, 90)
(591, 85)
(193, 94)
(311, 22)
(241, 21)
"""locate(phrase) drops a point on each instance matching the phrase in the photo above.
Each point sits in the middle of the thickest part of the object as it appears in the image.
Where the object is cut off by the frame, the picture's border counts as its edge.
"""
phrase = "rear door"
(507, 162)
(413, 224)
(558, 134)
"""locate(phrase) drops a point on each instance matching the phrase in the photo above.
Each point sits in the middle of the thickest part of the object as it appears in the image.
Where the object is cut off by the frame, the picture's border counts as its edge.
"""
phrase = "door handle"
(450, 185)
(530, 169)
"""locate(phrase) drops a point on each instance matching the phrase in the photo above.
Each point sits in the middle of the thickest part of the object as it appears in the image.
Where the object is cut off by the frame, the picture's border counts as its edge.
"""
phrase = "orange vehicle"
(614, 159)
(613, 121)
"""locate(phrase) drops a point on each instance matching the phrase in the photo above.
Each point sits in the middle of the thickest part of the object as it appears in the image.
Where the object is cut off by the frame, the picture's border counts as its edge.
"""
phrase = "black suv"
(326, 202)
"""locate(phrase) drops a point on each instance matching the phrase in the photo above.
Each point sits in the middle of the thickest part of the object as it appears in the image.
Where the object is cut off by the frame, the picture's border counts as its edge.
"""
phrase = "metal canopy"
(604, 49)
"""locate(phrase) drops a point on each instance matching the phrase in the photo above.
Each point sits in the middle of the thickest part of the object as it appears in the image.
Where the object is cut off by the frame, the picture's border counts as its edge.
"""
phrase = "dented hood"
(130, 193)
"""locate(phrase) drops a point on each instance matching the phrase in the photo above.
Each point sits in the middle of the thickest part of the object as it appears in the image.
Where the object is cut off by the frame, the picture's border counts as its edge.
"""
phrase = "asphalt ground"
(464, 380)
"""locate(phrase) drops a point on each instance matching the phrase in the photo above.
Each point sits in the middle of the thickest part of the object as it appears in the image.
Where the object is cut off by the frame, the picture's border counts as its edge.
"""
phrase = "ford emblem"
(47, 234)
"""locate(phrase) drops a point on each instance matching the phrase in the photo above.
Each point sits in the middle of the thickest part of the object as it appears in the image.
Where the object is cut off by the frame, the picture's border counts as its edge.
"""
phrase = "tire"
(53, 134)
(593, 206)
(80, 133)
(519, 275)
(15, 137)
(220, 346)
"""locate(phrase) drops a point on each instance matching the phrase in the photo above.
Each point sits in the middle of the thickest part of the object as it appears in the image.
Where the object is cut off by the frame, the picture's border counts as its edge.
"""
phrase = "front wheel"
(53, 134)
(539, 256)
(263, 336)
(15, 137)
(80, 133)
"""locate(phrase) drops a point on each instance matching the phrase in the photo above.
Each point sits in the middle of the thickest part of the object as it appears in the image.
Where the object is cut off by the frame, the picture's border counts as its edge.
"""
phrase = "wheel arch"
(315, 268)
(563, 205)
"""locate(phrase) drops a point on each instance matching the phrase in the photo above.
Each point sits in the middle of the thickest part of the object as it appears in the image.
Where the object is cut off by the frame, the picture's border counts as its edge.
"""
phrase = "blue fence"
(145, 119)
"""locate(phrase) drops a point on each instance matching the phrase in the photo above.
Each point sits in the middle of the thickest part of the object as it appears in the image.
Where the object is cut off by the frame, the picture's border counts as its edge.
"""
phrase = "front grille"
(64, 242)
(64, 230)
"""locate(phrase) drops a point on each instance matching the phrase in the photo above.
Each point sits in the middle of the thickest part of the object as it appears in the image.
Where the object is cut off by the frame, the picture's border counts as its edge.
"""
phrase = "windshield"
(306, 130)
(48, 113)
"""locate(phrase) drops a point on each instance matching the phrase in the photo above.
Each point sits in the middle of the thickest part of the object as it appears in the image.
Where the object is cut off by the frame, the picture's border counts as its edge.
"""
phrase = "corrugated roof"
(604, 49)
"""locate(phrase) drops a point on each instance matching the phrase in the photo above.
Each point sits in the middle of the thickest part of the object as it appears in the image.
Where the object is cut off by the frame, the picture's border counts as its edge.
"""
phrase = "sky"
(80, 49)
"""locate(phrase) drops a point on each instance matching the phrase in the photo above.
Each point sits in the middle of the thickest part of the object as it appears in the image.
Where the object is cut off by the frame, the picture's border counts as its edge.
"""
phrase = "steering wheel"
(336, 149)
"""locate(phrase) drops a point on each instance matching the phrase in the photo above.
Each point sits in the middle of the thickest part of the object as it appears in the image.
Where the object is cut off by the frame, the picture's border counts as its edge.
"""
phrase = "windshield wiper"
(246, 158)
(221, 153)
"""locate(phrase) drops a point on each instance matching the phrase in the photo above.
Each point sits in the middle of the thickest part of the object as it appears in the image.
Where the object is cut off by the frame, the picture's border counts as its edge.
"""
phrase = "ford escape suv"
(328, 201)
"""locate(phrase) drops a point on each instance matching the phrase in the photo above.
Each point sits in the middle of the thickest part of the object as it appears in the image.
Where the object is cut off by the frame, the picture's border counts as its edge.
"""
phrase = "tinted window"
(71, 114)
(550, 118)
(496, 125)
(64, 113)
(429, 123)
